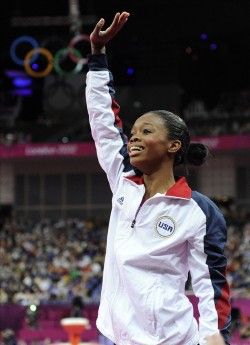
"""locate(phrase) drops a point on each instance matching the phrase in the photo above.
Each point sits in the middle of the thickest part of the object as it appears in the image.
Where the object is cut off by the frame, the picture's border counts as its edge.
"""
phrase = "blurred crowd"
(51, 262)
(14, 138)
(57, 261)
(230, 116)
(238, 248)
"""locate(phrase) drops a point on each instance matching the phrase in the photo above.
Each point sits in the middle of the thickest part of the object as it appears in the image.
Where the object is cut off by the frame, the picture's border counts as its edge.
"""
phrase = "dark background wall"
(161, 45)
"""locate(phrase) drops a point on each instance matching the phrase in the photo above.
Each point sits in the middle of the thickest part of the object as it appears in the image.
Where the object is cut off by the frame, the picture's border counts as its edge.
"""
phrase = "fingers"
(100, 37)
(98, 27)
(117, 24)
(100, 23)
(121, 19)
(124, 17)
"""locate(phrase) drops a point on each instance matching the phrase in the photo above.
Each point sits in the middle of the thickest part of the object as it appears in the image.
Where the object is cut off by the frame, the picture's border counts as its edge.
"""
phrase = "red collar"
(179, 190)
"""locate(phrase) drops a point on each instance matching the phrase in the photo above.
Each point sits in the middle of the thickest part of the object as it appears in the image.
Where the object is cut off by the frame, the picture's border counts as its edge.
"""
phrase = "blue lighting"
(203, 36)
(15, 73)
(130, 71)
(35, 66)
(22, 92)
(213, 46)
(22, 82)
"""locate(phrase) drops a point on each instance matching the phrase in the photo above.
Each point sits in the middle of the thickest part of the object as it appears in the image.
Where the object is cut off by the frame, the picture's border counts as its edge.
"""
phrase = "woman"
(159, 228)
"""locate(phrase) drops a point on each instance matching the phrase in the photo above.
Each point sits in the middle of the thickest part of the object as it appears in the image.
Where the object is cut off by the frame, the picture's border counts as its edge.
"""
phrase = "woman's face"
(148, 145)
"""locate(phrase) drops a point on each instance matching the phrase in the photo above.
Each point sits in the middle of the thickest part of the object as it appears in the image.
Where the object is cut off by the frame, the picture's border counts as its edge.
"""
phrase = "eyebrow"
(147, 123)
(144, 123)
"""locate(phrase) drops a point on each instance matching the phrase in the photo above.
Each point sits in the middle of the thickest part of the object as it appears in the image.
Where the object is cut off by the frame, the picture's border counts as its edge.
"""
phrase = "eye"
(130, 135)
(146, 131)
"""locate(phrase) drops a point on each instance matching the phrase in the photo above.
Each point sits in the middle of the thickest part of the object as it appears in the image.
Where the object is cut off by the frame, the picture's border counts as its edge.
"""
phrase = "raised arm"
(99, 37)
(103, 109)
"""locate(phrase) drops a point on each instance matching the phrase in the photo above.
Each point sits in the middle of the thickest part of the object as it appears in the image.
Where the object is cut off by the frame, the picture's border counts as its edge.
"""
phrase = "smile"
(136, 148)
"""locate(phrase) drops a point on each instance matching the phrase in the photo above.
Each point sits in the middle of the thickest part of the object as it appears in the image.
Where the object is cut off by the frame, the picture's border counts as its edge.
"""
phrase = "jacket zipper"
(134, 220)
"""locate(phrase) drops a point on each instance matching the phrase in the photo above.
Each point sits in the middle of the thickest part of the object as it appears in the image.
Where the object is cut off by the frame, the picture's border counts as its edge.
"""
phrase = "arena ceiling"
(202, 46)
(156, 39)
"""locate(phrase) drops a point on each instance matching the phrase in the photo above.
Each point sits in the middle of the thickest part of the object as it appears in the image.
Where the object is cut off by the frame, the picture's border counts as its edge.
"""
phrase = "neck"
(155, 183)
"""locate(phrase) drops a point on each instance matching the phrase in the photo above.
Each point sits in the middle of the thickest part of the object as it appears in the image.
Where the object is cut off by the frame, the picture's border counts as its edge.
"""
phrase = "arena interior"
(192, 58)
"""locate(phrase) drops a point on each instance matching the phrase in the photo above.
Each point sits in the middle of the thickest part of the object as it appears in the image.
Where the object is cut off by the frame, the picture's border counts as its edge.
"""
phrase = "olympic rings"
(72, 44)
(27, 61)
(70, 52)
(53, 62)
(14, 45)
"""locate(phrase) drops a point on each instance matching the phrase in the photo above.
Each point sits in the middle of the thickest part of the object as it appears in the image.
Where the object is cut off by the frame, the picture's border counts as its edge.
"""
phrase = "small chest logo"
(120, 200)
(165, 226)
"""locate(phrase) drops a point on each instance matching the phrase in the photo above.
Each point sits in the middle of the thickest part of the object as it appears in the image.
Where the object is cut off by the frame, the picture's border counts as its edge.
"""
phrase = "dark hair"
(189, 153)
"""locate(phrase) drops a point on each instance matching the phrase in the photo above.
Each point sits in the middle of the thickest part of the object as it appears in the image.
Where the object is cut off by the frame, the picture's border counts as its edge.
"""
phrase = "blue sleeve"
(214, 244)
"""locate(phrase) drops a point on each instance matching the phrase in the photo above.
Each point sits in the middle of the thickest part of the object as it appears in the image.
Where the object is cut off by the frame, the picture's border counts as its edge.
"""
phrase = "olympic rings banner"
(29, 62)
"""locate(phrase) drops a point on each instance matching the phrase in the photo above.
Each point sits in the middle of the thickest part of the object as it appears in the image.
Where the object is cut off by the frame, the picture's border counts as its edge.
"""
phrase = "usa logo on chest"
(165, 226)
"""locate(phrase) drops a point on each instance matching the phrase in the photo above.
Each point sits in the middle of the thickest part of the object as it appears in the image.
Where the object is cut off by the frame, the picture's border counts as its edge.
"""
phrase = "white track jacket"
(151, 249)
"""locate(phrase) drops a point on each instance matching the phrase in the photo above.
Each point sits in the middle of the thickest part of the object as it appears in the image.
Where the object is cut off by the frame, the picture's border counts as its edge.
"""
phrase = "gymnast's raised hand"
(99, 37)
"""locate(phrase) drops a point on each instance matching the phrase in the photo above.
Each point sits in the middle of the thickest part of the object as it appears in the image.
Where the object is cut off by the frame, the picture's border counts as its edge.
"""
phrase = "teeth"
(136, 148)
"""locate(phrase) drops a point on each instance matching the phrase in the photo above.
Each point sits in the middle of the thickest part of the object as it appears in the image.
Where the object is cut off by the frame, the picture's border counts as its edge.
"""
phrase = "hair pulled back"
(189, 153)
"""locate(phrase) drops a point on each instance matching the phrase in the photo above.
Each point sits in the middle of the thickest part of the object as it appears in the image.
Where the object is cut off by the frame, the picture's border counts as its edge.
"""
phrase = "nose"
(134, 138)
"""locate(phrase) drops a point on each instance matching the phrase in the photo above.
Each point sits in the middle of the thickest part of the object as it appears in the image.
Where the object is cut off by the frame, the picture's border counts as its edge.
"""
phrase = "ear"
(174, 146)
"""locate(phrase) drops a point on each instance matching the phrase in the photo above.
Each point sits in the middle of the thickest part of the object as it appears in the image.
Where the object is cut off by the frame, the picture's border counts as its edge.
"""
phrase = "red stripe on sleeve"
(116, 110)
(223, 307)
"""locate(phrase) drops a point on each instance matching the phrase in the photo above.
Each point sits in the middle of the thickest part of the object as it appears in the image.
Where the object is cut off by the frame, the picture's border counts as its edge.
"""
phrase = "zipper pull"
(133, 224)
